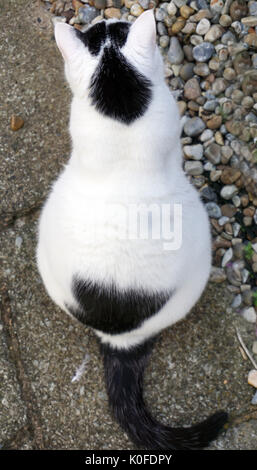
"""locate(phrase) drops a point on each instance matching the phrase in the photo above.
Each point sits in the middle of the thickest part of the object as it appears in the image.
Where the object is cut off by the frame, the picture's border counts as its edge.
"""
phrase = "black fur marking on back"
(111, 310)
(117, 89)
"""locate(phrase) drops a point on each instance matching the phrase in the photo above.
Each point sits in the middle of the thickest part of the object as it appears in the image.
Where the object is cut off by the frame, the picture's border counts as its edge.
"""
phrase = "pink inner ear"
(65, 39)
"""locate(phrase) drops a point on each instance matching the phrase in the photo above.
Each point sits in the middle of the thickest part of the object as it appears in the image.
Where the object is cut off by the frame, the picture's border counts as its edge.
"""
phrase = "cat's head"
(114, 65)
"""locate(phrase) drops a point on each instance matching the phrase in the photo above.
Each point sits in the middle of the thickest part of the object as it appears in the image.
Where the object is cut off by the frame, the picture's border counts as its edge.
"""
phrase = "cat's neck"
(147, 149)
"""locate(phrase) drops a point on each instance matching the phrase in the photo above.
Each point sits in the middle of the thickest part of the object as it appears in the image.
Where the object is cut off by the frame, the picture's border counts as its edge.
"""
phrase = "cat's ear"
(66, 40)
(142, 34)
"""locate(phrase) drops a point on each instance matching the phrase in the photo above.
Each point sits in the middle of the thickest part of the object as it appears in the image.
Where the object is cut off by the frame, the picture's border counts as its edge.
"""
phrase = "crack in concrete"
(33, 426)
(8, 219)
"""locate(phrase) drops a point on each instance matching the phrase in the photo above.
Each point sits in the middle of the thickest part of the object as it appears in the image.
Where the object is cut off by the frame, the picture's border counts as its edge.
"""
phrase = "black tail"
(124, 371)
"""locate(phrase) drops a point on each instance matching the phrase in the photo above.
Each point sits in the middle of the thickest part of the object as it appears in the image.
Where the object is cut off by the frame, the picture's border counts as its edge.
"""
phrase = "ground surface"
(196, 367)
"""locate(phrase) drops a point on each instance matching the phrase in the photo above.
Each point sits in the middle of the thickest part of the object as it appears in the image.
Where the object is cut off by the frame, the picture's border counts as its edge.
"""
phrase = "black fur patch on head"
(111, 310)
(94, 37)
(118, 32)
(117, 89)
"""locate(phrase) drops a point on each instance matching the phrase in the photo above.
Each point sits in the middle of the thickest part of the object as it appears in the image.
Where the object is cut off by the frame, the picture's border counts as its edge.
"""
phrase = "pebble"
(87, 14)
(175, 52)
(254, 399)
(194, 168)
(112, 13)
(203, 52)
(16, 122)
(214, 33)
(203, 26)
(136, 9)
(194, 151)
(252, 378)
(217, 275)
(192, 89)
(249, 314)
(212, 152)
(228, 191)
(213, 210)
(171, 9)
(194, 126)
(254, 348)
(227, 257)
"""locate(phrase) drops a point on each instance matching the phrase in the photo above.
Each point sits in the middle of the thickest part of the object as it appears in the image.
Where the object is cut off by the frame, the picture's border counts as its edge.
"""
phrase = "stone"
(212, 152)
(254, 348)
(230, 175)
(206, 135)
(136, 10)
(218, 86)
(87, 14)
(238, 10)
(249, 314)
(192, 89)
(17, 122)
(194, 126)
(171, 9)
(203, 52)
(175, 52)
(186, 11)
(249, 21)
(214, 33)
(213, 210)
(252, 378)
(187, 71)
(194, 168)
(225, 21)
(215, 122)
(208, 194)
(164, 41)
(178, 25)
(144, 4)
(254, 399)
(252, 6)
(100, 4)
(242, 62)
(216, 5)
(227, 257)
(201, 69)
(203, 26)
(217, 275)
(251, 40)
(237, 301)
(249, 84)
(194, 151)
(228, 210)
(228, 191)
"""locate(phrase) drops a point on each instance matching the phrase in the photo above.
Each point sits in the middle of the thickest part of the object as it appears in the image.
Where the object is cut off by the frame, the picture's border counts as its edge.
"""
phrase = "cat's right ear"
(142, 35)
(66, 40)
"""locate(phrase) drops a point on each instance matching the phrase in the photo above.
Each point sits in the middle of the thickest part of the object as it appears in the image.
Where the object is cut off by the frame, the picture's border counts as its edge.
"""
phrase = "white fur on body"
(115, 163)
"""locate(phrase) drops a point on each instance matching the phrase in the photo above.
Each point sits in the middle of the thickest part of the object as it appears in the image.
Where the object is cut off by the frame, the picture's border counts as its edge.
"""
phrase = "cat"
(125, 128)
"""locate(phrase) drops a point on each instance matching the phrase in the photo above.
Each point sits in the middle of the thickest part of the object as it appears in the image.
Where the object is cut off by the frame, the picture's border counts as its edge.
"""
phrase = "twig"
(245, 349)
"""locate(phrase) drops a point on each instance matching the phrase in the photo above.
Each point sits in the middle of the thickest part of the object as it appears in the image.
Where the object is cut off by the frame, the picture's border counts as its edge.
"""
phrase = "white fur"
(117, 163)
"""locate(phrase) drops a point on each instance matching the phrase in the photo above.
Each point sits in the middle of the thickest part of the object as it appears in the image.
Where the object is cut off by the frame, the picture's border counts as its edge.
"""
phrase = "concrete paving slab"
(33, 87)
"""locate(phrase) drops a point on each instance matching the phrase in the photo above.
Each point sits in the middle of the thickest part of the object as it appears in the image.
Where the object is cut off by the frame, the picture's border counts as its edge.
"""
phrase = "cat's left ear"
(66, 40)
(142, 34)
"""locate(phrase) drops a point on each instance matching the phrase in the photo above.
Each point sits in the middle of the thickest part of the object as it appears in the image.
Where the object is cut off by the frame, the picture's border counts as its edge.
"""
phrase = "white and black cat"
(125, 129)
